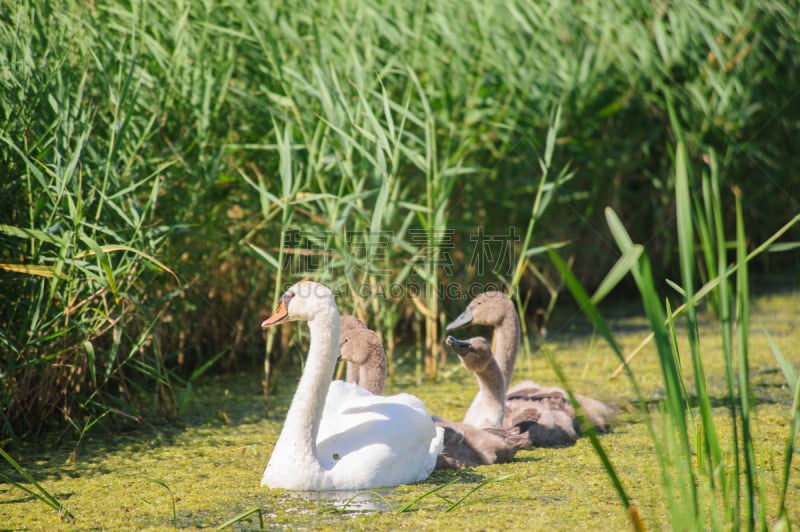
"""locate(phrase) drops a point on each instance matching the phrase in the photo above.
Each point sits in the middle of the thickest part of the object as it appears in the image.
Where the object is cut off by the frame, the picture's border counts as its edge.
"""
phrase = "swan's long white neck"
(299, 434)
(506, 342)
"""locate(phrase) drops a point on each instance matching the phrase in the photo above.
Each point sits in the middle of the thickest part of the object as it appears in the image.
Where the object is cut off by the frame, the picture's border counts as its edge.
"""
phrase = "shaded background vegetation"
(167, 167)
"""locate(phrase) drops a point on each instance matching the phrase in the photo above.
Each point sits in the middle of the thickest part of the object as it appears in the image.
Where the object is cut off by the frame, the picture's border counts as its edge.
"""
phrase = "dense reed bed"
(166, 168)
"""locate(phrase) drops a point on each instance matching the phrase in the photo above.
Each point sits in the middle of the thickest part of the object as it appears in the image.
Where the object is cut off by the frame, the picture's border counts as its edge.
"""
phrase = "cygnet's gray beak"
(462, 321)
(461, 347)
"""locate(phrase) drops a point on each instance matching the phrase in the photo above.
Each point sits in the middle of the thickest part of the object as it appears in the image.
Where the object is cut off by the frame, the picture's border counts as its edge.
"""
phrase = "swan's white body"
(338, 436)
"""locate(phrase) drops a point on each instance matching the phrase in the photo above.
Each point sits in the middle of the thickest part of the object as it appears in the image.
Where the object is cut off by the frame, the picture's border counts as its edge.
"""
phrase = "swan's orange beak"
(280, 315)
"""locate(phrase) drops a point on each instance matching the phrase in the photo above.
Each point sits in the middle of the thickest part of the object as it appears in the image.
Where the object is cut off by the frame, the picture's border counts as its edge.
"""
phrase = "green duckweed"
(205, 470)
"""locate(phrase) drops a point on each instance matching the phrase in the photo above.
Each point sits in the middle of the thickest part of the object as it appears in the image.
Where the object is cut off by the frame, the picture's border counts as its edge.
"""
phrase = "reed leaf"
(40, 493)
(794, 425)
(461, 500)
(242, 516)
(684, 209)
(677, 454)
(751, 494)
(407, 507)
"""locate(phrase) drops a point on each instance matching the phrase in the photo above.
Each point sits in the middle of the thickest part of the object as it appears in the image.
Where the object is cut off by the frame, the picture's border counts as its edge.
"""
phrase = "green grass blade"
(243, 516)
(752, 509)
(617, 273)
(460, 501)
(671, 375)
(686, 253)
(265, 255)
(794, 425)
(591, 433)
(585, 302)
(40, 493)
(172, 498)
(787, 368)
(411, 504)
(32, 269)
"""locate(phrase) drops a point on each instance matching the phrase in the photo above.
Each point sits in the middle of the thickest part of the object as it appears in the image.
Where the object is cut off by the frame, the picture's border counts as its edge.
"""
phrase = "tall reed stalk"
(705, 482)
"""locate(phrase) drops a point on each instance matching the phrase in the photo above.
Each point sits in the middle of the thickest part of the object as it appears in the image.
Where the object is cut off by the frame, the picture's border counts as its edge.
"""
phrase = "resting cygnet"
(467, 445)
(362, 349)
(556, 423)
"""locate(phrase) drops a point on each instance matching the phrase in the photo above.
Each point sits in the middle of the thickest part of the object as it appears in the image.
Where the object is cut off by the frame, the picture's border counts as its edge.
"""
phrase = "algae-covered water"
(206, 470)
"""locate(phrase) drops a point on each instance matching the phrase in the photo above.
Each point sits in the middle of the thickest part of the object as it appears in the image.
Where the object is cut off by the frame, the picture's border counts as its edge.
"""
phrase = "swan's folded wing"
(389, 443)
(352, 416)
(375, 403)
(348, 398)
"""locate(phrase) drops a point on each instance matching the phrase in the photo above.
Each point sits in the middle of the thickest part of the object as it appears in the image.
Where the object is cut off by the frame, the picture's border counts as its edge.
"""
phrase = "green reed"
(37, 491)
(700, 487)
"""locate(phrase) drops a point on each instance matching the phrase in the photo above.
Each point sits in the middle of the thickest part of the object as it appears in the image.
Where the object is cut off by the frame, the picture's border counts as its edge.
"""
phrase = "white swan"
(369, 441)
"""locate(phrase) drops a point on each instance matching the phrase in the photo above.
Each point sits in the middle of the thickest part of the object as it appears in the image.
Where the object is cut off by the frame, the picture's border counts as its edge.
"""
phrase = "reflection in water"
(349, 501)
